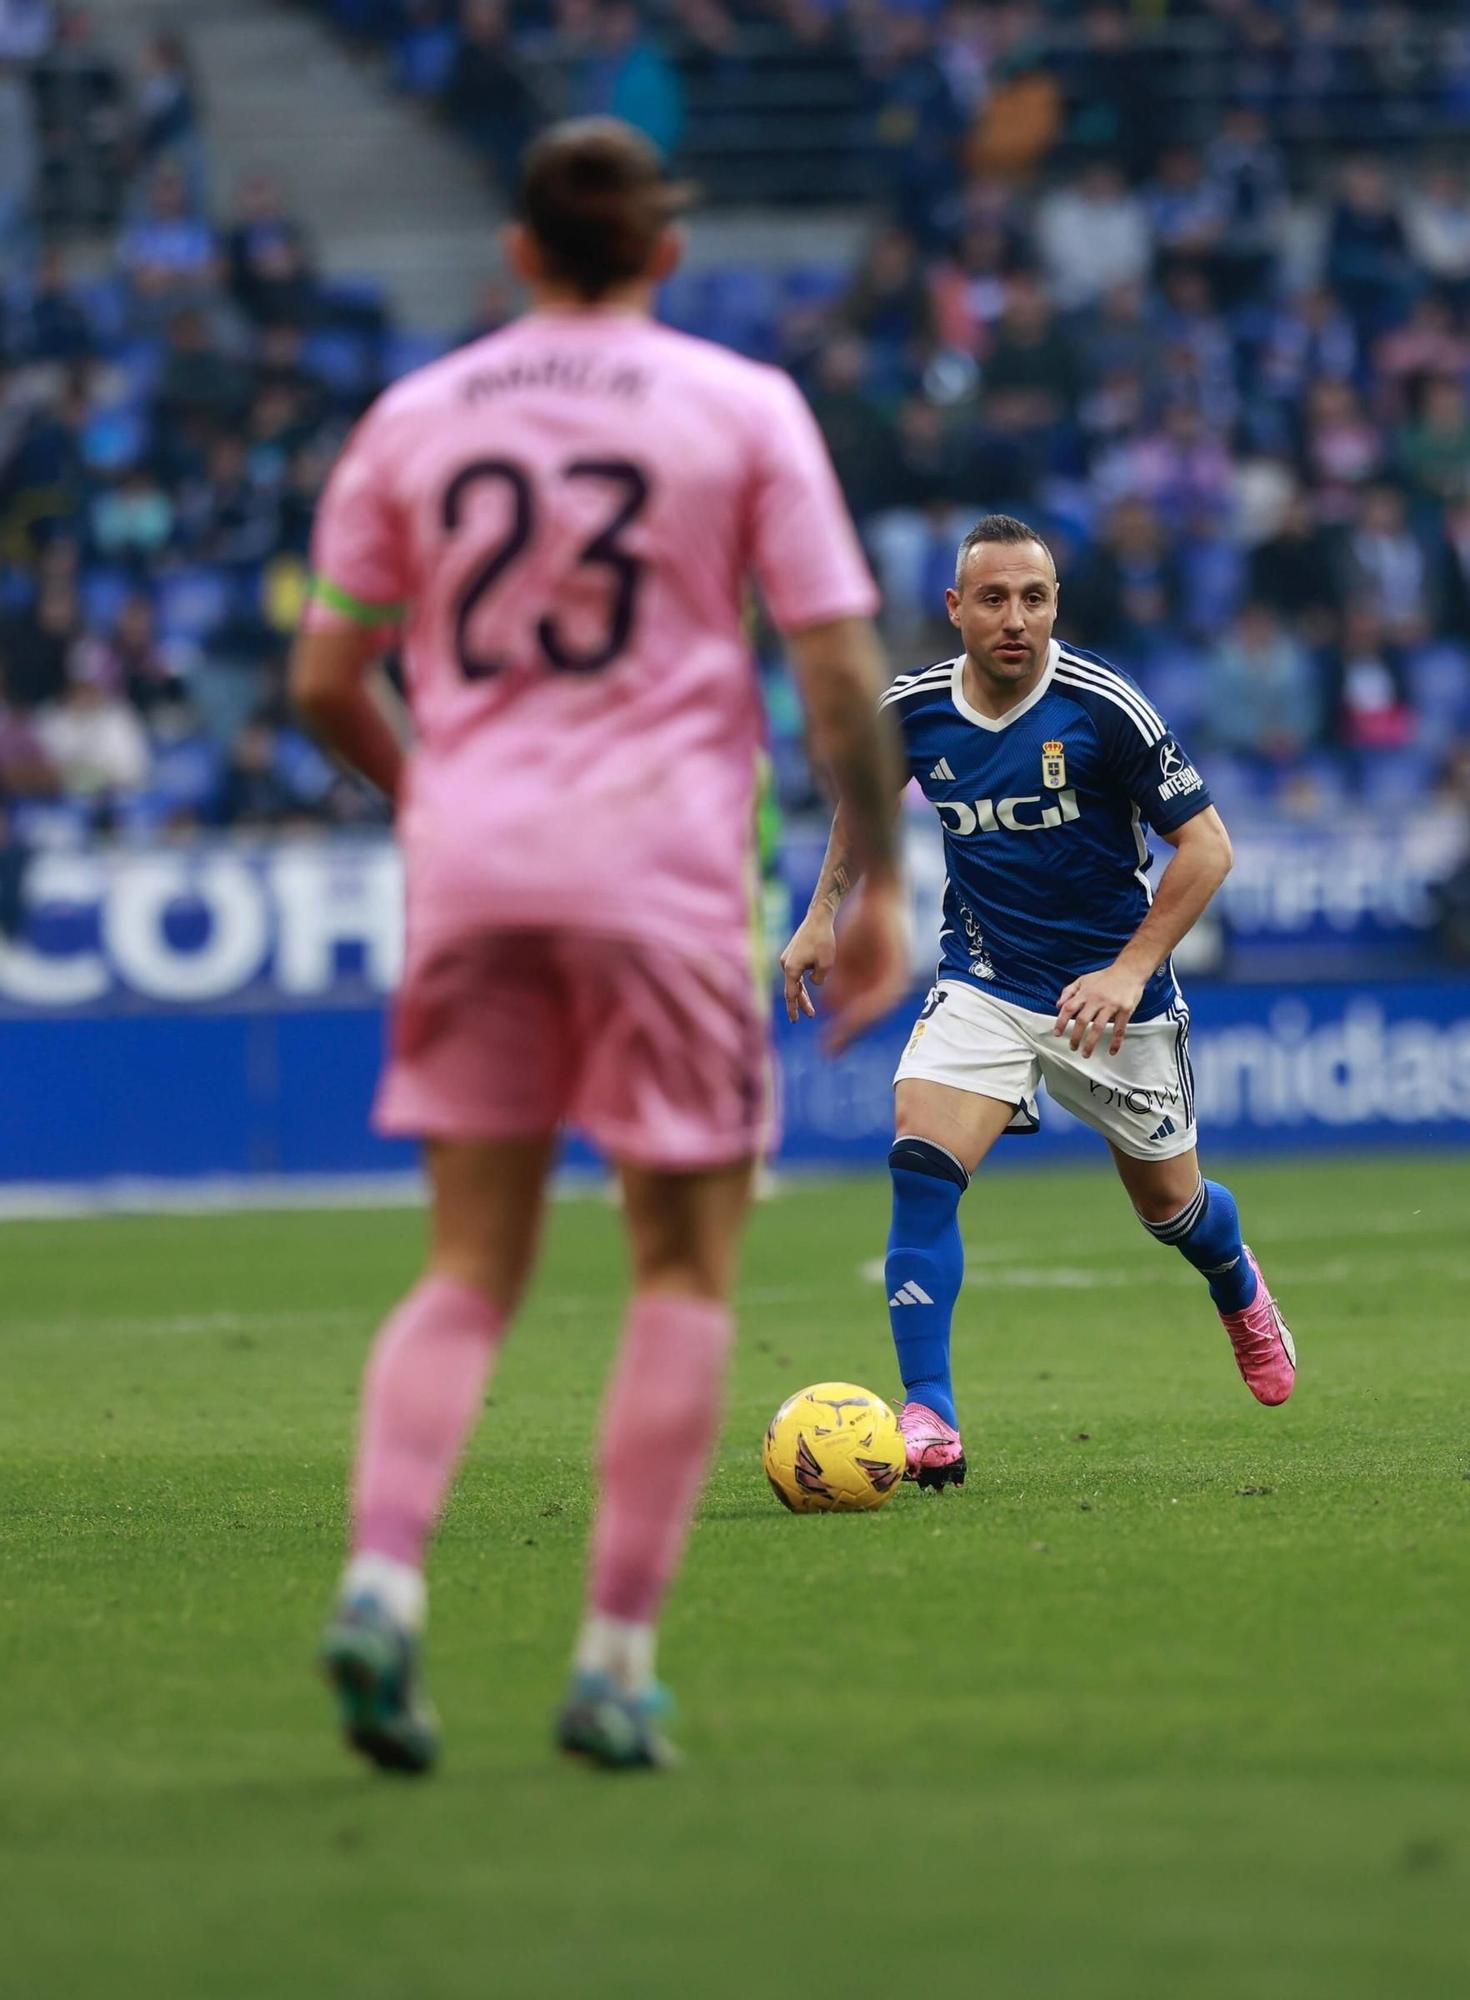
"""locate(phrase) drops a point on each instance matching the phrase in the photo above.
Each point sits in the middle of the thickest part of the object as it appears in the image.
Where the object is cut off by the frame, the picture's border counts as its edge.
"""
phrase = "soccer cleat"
(620, 1731)
(372, 1663)
(936, 1457)
(1265, 1353)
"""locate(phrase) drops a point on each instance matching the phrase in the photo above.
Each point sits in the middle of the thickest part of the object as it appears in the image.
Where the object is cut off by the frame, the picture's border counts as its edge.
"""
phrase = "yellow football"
(833, 1449)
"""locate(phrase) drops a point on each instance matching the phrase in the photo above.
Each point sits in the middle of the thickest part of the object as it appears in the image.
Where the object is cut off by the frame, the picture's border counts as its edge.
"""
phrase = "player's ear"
(952, 606)
(522, 253)
(668, 255)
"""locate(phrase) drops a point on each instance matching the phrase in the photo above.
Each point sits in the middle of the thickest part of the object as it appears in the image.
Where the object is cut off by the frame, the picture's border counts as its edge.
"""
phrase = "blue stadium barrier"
(281, 1091)
(186, 1012)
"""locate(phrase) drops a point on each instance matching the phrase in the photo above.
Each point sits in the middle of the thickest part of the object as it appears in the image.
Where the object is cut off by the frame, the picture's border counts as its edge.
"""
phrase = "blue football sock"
(925, 1267)
(1207, 1231)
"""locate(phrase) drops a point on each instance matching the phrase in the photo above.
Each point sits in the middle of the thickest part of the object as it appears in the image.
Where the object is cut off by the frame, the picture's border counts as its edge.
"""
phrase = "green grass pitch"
(1169, 1704)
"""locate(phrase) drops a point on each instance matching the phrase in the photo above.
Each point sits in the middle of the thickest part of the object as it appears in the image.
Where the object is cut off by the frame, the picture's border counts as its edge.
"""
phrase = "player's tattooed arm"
(1102, 1003)
(839, 869)
(333, 690)
(840, 671)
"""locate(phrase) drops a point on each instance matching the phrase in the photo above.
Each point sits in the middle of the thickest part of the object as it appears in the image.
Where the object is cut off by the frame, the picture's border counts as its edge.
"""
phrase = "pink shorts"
(658, 1058)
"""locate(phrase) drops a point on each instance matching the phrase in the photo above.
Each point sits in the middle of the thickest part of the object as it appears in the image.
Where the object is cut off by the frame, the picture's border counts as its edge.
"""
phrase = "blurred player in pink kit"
(561, 519)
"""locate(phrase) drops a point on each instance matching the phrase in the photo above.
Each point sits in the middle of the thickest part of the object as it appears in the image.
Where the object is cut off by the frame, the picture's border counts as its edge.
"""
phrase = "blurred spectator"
(1434, 450)
(1032, 376)
(1309, 339)
(1385, 563)
(1368, 685)
(1293, 572)
(489, 92)
(1246, 168)
(1182, 467)
(629, 76)
(1118, 100)
(271, 276)
(94, 740)
(168, 254)
(202, 389)
(1342, 448)
(1124, 595)
(13, 861)
(226, 517)
(1367, 252)
(25, 769)
(1122, 336)
(168, 114)
(968, 289)
(132, 661)
(887, 304)
(255, 793)
(1021, 117)
(1454, 571)
(45, 322)
(1437, 224)
(131, 520)
(1261, 693)
(37, 645)
(857, 434)
(917, 122)
(1187, 210)
(1092, 236)
(19, 168)
(1428, 343)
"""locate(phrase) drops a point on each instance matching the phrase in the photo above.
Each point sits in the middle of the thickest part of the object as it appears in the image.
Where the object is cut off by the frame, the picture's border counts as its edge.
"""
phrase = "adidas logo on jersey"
(1165, 1131)
(911, 1294)
(941, 769)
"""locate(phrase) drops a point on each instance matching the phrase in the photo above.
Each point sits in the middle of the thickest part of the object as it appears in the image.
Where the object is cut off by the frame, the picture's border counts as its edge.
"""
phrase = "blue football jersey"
(1043, 814)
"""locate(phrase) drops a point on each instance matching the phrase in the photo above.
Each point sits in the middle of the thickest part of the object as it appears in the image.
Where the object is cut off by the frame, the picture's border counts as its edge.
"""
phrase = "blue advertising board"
(198, 1012)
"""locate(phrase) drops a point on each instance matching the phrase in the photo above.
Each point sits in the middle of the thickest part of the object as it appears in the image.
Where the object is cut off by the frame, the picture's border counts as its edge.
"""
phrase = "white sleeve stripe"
(1107, 677)
(1120, 680)
(920, 673)
(919, 687)
(1145, 730)
(1070, 678)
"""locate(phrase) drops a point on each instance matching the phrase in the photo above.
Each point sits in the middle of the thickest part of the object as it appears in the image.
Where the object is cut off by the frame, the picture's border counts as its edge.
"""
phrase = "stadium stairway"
(384, 191)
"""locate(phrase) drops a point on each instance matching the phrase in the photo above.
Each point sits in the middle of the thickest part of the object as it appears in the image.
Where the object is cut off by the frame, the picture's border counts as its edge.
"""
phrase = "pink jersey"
(564, 516)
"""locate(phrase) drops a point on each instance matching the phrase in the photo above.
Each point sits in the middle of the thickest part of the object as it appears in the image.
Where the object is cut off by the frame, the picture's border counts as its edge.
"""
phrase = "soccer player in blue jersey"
(1044, 765)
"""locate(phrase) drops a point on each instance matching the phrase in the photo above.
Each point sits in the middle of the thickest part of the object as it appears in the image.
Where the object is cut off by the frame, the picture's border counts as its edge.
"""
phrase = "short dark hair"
(1003, 528)
(595, 197)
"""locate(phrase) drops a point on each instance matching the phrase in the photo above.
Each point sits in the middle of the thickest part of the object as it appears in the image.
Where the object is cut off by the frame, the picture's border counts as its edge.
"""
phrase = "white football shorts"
(1142, 1099)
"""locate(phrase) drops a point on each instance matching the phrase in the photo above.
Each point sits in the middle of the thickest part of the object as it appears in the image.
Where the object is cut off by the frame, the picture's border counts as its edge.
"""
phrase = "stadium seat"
(340, 361)
(1175, 684)
(403, 352)
(1397, 777)
(103, 593)
(1439, 680)
(192, 603)
(105, 302)
(422, 62)
(812, 284)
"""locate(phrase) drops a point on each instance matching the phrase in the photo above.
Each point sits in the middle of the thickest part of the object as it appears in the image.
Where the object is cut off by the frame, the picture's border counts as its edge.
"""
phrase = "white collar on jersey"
(997, 722)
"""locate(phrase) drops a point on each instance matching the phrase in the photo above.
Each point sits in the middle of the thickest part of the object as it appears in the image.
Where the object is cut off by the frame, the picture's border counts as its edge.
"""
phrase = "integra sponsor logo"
(1177, 776)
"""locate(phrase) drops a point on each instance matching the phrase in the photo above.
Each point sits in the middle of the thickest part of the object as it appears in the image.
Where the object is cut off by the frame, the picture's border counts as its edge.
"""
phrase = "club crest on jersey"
(1054, 766)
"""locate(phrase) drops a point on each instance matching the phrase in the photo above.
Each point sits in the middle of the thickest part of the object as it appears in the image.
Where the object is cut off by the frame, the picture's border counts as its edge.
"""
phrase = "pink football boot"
(936, 1456)
(1265, 1353)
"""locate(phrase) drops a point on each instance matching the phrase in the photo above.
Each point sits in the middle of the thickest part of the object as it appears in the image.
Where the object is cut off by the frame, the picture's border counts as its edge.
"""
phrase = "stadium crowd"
(1227, 373)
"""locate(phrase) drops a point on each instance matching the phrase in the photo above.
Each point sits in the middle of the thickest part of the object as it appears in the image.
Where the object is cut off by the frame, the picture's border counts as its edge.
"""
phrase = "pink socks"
(422, 1395)
(659, 1429)
(423, 1392)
